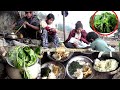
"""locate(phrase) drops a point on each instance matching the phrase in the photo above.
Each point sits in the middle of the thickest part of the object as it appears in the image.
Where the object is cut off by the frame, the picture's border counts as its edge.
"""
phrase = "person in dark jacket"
(77, 33)
(30, 24)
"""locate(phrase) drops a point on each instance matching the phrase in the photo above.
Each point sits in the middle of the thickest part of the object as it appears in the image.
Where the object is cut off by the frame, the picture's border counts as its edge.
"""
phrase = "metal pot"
(109, 55)
(50, 56)
(14, 73)
(11, 36)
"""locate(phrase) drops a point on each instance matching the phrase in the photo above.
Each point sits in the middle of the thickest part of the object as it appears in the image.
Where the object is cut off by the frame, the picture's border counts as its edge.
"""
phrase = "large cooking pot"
(109, 55)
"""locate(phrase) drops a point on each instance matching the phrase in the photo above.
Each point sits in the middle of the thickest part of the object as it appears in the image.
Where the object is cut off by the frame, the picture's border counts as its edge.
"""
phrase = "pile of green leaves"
(73, 67)
(104, 23)
(23, 56)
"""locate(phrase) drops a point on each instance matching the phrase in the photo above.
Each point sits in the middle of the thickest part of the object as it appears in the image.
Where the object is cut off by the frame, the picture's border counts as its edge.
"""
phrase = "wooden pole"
(64, 25)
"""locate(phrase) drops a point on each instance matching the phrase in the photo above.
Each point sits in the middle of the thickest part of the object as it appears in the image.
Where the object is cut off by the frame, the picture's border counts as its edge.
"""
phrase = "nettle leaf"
(105, 23)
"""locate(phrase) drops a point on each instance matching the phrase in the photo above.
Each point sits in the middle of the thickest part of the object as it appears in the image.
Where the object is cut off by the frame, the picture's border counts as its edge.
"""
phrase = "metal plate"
(86, 59)
(49, 54)
(63, 72)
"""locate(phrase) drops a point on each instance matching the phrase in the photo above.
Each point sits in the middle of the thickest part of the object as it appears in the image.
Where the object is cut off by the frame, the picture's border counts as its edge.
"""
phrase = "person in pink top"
(78, 33)
(49, 31)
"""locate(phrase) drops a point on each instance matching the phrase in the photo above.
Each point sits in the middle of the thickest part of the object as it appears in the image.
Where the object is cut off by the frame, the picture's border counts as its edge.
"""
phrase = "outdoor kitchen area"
(57, 51)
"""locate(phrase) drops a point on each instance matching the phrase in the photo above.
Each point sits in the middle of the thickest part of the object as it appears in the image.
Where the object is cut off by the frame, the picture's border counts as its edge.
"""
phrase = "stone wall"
(7, 18)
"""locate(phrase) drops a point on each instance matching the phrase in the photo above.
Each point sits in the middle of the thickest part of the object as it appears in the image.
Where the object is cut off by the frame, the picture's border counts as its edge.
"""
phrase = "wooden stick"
(19, 28)
(65, 49)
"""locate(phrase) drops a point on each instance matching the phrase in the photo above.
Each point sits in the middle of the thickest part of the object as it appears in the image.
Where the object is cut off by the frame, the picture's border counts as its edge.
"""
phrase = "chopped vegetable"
(73, 67)
(45, 72)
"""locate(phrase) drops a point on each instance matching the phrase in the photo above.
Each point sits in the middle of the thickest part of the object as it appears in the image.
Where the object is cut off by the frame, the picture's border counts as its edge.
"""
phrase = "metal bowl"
(11, 63)
(11, 36)
(50, 56)
(86, 59)
(63, 71)
(109, 55)
(14, 73)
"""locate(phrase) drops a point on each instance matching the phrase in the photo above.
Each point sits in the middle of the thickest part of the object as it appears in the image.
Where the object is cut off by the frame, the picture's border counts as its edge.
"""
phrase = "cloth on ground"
(80, 44)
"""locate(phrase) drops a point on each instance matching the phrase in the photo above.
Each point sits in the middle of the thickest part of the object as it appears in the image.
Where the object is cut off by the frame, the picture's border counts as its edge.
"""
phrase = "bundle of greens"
(104, 23)
(25, 74)
(22, 56)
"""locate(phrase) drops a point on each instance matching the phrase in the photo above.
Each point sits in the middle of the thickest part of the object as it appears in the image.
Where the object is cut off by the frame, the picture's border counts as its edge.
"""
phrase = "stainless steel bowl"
(49, 54)
(63, 71)
(10, 62)
(14, 73)
(86, 59)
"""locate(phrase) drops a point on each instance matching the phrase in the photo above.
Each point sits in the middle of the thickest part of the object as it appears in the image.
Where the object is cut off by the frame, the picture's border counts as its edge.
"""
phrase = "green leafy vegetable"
(25, 74)
(104, 23)
(19, 55)
(45, 72)
(73, 67)
(37, 50)
(22, 57)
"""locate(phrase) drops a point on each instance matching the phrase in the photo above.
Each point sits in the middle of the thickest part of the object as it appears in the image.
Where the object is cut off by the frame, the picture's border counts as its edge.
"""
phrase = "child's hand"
(75, 44)
(77, 38)
(53, 30)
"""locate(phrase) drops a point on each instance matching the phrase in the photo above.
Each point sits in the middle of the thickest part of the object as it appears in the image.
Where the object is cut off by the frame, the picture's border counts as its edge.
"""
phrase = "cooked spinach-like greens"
(45, 72)
(104, 23)
(73, 67)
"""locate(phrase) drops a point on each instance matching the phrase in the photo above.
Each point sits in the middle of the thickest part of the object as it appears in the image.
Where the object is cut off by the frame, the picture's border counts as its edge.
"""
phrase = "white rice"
(105, 66)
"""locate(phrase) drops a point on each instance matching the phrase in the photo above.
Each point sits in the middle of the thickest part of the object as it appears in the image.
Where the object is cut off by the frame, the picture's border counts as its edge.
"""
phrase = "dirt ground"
(61, 35)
